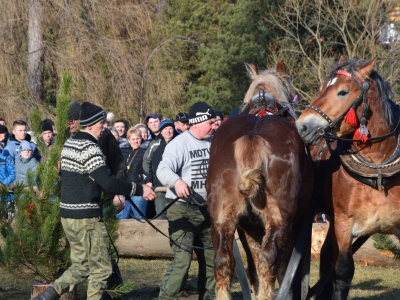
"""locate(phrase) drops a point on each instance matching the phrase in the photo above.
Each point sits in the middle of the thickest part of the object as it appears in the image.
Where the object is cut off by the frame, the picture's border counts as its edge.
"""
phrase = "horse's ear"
(342, 58)
(251, 70)
(366, 69)
(281, 68)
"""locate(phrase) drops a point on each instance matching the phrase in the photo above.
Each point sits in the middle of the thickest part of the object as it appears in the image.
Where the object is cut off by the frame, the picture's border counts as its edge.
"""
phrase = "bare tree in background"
(35, 49)
(313, 34)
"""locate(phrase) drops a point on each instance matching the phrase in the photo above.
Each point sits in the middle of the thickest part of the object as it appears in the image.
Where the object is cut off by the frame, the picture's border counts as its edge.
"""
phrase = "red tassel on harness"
(351, 118)
(361, 133)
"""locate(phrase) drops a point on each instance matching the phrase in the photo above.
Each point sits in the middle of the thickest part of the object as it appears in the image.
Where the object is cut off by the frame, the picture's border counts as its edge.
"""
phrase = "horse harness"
(263, 104)
(374, 175)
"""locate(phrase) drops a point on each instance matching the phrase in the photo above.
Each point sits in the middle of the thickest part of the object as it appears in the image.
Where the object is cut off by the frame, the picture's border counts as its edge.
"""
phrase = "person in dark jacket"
(153, 123)
(167, 132)
(134, 163)
(84, 174)
(4, 134)
(218, 117)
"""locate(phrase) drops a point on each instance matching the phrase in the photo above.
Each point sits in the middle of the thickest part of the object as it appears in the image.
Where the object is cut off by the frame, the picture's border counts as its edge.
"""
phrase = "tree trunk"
(35, 49)
(38, 288)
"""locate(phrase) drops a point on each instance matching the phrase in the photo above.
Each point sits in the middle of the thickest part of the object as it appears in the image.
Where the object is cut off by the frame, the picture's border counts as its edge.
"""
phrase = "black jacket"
(157, 158)
(135, 167)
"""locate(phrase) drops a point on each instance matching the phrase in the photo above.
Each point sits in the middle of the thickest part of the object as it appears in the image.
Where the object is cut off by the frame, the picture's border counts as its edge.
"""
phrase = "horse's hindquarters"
(260, 179)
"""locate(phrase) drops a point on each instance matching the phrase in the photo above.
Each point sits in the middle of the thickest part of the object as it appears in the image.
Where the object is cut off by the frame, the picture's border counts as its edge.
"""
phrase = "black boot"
(48, 294)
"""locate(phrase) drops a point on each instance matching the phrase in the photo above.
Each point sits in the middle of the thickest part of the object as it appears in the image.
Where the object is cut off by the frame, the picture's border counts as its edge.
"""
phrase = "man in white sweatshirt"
(183, 170)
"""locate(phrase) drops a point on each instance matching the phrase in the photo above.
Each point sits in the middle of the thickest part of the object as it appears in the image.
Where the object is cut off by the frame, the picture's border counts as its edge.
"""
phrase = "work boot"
(48, 294)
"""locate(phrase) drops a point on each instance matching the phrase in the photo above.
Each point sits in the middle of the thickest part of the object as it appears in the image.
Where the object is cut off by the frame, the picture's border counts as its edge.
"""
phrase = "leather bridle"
(327, 131)
(323, 131)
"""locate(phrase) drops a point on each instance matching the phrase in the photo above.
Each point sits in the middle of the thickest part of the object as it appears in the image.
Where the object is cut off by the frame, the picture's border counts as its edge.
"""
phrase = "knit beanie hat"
(200, 112)
(46, 126)
(25, 145)
(91, 114)
(74, 110)
(166, 123)
(3, 129)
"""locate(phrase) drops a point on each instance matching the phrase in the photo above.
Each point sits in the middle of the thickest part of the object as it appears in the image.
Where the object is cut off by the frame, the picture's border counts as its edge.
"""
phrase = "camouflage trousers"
(90, 257)
(189, 226)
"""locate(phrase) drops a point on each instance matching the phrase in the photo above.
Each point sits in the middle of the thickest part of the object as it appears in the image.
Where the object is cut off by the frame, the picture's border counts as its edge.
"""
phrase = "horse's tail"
(251, 156)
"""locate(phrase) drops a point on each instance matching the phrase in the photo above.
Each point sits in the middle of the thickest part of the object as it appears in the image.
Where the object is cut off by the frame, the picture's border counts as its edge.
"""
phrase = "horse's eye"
(342, 93)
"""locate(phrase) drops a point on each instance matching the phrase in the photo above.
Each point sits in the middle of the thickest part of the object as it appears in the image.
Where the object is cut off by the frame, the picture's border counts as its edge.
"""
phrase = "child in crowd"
(19, 134)
(24, 163)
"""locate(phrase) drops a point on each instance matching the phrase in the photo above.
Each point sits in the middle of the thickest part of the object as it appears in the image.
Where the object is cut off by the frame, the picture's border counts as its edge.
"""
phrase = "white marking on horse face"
(331, 82)
(312, 122)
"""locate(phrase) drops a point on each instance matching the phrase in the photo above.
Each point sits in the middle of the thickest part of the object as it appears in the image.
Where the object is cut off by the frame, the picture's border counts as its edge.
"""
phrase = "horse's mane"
(389, 107)
(278, 85)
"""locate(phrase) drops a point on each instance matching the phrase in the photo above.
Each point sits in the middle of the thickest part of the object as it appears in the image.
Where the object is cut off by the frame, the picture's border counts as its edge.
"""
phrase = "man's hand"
(182, 189)
(148, 193)
(119, 202)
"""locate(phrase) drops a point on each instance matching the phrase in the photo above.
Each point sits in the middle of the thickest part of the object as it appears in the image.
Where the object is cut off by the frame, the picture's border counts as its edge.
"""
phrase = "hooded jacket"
(7, 169)
(12, 148)
(22, 167)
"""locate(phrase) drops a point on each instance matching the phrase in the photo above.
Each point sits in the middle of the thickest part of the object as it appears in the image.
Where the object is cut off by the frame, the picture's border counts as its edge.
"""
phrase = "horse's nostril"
(303, 129)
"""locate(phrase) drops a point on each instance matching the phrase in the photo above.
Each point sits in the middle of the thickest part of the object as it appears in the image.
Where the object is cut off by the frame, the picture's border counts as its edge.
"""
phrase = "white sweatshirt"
(185, 157)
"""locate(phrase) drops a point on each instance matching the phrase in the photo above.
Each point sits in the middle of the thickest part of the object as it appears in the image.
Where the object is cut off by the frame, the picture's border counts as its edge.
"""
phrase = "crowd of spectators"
(142, 146)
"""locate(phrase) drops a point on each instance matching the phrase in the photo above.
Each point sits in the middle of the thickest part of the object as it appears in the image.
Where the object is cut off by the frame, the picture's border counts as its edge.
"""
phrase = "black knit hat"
(91, 114)
(74, 110)
(3, 129)
(46, 126)
(200, 112)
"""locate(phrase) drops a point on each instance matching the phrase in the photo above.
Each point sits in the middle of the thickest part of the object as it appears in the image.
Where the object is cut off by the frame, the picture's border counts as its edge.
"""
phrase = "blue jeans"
(130, 212)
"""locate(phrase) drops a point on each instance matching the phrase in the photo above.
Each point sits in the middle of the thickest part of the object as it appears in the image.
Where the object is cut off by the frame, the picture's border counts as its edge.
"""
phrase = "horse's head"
(272, 83)
(343, 94)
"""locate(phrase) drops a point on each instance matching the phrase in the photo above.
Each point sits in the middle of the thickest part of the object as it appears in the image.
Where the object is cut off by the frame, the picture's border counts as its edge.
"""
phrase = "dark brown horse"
(357, 177)
(259, 182)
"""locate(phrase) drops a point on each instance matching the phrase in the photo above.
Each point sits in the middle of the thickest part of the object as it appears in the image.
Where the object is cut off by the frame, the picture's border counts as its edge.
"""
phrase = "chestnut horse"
(356, 167)
(260, 182)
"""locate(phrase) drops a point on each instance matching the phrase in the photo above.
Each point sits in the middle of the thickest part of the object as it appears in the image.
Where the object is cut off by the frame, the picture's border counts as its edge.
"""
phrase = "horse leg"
(224, 263)
(344, 267)
(252, 249)
(326, 265)
(270, 260)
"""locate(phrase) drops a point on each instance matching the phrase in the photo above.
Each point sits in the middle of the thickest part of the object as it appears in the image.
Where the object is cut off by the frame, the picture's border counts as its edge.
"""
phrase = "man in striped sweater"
(83, 174)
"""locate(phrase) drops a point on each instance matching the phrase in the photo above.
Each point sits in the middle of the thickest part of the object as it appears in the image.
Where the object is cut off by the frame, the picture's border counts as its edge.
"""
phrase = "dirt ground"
(369, 255)
(147, 275)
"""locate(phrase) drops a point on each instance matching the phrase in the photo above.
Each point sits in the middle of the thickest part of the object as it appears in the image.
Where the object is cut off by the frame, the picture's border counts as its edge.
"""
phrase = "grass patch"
(370, 282)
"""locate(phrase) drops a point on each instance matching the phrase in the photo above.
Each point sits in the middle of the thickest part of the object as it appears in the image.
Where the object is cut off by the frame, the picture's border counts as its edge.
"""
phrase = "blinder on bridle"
(263, 103)
(322, 131)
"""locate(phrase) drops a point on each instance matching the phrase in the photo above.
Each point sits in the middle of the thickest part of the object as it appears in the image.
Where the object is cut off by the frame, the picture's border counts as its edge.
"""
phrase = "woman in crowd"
(134, 163)
(145, 135)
